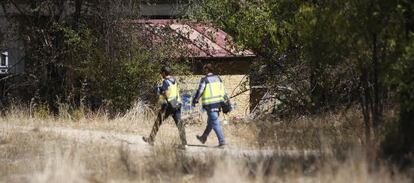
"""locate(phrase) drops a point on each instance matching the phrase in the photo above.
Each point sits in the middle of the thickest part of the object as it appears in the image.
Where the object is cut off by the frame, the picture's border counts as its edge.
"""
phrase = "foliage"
(317, 49)
(399, 141)
(328, 54)
(86, 56)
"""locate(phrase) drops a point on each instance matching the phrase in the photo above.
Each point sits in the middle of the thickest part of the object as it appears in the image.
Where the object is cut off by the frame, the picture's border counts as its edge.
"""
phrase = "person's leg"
(160, 118)
(215, 122)
(181, 129)
(208, 129)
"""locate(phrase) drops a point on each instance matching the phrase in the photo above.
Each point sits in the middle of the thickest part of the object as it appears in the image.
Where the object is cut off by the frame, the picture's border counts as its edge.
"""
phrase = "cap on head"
(165, 69)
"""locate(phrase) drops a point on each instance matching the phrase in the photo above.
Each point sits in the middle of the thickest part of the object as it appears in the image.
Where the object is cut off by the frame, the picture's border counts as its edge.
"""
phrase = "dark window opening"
(3, 60)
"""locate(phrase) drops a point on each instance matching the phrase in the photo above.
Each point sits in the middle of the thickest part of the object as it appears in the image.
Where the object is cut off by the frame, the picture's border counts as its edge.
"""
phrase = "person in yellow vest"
(212, 94)
(170, 106)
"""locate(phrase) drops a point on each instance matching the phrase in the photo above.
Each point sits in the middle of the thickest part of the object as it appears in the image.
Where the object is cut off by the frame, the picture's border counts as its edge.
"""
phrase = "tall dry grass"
(60, 167)
(39, 156)
(333, 132)
(51, 159)
(138, 120)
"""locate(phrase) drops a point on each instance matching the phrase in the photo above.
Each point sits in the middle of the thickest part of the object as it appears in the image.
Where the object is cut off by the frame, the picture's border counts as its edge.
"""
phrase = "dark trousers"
(165, 112)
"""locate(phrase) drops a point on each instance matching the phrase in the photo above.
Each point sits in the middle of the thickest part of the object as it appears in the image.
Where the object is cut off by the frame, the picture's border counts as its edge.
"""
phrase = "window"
(4, 59)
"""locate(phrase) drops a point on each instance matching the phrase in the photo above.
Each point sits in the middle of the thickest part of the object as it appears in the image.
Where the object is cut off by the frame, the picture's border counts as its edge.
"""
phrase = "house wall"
(233, 84)
(238, 85)
(235, 75)
(16, 57)
(12, 45)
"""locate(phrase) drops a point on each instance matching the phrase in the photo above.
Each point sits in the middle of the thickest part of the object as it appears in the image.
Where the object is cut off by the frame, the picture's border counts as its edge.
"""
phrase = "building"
(12, 48)
(12, 54)
(204, 43)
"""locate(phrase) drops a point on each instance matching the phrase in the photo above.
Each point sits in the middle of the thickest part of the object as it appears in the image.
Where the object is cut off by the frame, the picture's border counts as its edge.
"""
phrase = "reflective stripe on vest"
(173, 92)
(213, 92)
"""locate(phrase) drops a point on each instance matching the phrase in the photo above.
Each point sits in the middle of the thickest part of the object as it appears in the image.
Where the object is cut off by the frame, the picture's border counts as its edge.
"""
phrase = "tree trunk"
(77, 14)
(365, 102)
(376, 87)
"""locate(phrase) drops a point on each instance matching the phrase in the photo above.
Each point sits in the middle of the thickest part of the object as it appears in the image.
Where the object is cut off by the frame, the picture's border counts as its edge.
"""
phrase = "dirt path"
(137, 145)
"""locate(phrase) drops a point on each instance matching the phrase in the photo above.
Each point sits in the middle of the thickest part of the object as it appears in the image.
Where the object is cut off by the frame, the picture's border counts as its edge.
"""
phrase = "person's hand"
(194, 103)
(157, 90)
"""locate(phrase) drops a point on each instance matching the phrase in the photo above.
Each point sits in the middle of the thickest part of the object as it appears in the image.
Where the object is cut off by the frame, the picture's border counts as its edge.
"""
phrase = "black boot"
(201, 139)
(148, 140)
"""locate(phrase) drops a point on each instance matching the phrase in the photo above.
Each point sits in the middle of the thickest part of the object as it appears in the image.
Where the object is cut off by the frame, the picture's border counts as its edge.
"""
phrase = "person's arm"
(200, 91)
(164, 88)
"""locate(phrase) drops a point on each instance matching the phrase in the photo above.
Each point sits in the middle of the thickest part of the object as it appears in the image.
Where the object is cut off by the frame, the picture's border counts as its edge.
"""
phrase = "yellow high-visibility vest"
(213, 92)
(173, 92)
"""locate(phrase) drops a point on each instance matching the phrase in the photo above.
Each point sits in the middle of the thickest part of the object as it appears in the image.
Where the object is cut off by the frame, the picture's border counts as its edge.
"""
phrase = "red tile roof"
(201, 40)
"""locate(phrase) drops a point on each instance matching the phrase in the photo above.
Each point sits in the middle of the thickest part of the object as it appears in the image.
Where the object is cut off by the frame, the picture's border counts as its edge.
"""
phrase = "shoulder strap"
(219, 78)
(205, 79)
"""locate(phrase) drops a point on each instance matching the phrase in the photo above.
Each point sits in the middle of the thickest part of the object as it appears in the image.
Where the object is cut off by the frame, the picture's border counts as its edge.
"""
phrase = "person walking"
(170, 106)
(212, 94)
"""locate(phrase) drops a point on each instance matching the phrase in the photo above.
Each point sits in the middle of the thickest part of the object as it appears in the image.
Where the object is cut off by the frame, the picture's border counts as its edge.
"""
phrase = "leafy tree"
(330, 54)
(399, 142)
(82, 52)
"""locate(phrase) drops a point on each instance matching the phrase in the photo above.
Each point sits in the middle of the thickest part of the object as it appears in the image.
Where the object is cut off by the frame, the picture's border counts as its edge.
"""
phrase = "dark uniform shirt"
(166, 84)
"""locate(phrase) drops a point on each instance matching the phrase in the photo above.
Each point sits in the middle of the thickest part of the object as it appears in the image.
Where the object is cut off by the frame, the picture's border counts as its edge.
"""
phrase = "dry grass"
(330, 132)
(51, 159)
(33, 155)
(138, 120)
